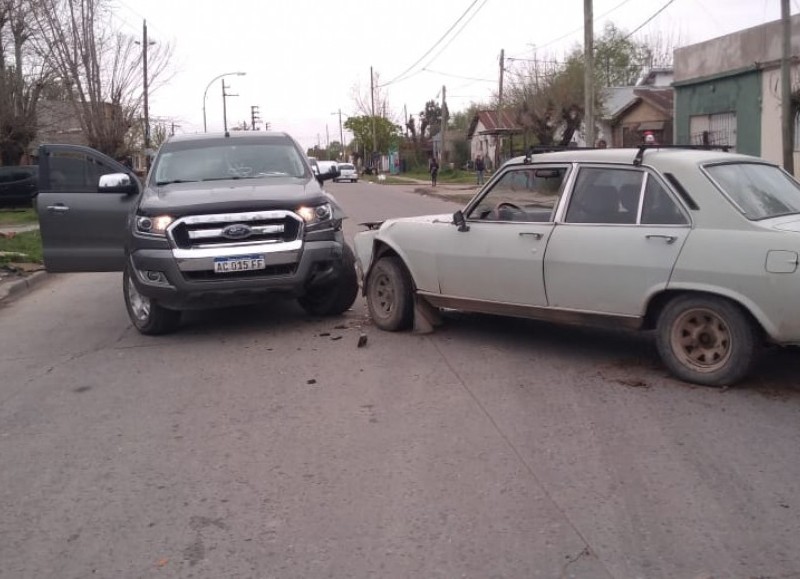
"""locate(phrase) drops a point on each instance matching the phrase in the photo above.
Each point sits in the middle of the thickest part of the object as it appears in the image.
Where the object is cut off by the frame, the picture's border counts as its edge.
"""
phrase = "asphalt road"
(260, 443)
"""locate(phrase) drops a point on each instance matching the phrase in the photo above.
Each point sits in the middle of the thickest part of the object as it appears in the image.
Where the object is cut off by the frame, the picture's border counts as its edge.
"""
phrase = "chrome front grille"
(198, 232)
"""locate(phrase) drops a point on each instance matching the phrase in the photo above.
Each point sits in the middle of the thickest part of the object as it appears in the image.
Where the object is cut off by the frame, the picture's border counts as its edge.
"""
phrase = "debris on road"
(362, 340)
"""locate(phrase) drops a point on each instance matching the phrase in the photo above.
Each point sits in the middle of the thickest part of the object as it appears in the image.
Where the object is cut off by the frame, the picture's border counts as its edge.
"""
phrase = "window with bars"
(714, 129)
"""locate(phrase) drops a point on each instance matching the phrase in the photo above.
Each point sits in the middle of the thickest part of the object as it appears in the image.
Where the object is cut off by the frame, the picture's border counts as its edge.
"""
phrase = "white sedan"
(702, 246)
(347, 172)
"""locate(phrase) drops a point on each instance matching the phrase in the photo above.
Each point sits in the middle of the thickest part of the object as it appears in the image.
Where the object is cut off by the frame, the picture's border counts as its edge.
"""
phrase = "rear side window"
(758, 191)
(605, 195)
(659, 208)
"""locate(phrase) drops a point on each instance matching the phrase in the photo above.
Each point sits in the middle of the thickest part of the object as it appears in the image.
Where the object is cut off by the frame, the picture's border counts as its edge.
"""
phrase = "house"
(727, 91)
(631, 111)
(490, 138)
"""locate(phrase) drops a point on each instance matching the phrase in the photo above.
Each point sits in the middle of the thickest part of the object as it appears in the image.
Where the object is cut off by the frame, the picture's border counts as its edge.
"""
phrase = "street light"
(205, 93)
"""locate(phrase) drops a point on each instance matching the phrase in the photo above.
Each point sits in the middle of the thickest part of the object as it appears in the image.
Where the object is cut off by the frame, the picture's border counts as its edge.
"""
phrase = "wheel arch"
(382, 248)
(659, 300)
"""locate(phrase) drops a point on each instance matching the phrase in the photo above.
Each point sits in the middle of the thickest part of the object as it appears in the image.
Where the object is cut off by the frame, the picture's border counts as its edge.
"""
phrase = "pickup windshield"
(759, 191)
(223, 161)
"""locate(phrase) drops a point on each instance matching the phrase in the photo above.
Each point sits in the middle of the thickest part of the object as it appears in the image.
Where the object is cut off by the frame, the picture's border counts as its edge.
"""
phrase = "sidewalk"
(18, 278)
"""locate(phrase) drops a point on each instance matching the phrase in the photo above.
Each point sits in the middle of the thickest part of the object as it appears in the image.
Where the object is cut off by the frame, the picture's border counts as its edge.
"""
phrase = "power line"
(568, 34)
(458, 32)
(431, 49)
(459, 76)
(646, 22)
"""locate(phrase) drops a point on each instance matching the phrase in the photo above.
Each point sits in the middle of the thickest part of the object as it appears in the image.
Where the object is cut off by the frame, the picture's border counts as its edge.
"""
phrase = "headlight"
(317, 214)
(153, 225)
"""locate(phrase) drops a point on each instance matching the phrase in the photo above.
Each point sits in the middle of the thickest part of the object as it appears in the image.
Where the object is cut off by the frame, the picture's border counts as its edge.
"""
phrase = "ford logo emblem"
(237, 231)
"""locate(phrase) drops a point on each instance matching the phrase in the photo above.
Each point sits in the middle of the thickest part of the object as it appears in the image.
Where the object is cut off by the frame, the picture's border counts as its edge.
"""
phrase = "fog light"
(154, 276)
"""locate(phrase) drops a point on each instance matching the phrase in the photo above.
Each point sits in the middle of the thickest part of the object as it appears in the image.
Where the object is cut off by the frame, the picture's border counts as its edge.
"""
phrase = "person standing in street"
(480, 168)
(434, 170)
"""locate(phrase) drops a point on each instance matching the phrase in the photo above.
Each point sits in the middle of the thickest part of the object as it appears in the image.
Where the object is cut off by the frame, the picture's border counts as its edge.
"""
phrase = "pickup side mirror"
(117, 183)
(332, 173)
(458, 219)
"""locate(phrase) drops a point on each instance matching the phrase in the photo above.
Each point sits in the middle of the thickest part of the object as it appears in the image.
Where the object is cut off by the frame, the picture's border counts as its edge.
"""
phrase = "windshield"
(346, 167)
(759, 191)
(229, 161)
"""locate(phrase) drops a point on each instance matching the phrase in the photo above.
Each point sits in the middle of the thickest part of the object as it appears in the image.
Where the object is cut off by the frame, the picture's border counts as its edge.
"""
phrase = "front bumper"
(182, 281)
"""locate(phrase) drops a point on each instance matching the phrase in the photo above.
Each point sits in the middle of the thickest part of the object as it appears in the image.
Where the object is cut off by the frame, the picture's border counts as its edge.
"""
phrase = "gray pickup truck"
(221, 220)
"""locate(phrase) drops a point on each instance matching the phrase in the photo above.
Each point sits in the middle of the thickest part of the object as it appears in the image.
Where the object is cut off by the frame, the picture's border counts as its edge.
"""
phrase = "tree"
(430, 119)
(101, 67)
(620, 60)
(22, 79)
(386, 133)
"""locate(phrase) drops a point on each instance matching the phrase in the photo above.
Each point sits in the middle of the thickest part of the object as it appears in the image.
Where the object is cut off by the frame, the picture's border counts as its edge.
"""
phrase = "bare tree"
(22, 79)
(101, 67)
(363, 102)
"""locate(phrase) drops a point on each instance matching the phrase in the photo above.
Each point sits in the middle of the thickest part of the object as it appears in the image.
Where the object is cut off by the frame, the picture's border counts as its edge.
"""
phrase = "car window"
(659, 208)
(76, 172)
(346, 167)
(605, 195)
(759, 191)
(528, 194)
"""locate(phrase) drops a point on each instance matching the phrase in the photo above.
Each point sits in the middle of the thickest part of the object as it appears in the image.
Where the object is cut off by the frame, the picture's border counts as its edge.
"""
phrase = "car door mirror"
(116, 183)
(458, 219)
(332, 173)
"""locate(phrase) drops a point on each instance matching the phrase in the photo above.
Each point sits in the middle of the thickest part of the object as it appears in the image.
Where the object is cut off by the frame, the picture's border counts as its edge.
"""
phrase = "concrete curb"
(14, 289)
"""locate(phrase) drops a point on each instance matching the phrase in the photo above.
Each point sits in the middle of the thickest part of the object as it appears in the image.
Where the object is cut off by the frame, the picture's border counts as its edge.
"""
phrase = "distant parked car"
(701, 246)
(347, 172)
(18, 185)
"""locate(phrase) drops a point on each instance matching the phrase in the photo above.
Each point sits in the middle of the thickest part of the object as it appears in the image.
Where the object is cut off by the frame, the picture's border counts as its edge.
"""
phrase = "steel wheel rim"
(140, 305)
(383, 295)
(701, 340)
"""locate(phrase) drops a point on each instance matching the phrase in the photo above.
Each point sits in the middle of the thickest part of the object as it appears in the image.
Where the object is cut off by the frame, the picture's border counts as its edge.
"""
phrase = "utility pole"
(405, 119)
(225, 95)
(444, 127)
(146, 102)
(588, 73)
(499, 108)
(341, 135)
(254, 118)
(372, 101)
(328, 141)
(787, 120)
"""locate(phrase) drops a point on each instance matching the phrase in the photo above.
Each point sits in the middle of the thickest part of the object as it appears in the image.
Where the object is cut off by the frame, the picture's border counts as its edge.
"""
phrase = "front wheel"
(332, 300)
(707, 340)
(147, 316)
(390, 297)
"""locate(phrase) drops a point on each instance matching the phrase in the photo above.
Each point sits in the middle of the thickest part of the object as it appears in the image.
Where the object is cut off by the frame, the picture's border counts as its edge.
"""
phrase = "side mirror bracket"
(458, 219)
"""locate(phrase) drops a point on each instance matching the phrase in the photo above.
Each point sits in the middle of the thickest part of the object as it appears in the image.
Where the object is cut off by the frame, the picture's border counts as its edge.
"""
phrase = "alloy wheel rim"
(140, 305)
(701, 340)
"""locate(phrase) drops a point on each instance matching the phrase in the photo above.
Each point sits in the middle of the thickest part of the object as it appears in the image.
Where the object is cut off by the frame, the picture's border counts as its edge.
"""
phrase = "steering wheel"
(506, 205)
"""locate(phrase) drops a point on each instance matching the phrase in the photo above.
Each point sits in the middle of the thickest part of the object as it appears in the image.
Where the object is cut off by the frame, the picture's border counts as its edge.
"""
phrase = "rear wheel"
(335, 299)
(147, 316)
(389, 295)
(707, 340)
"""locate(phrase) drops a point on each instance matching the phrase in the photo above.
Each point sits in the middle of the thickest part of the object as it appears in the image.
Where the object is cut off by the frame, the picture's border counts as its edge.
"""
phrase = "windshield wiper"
(160, 183)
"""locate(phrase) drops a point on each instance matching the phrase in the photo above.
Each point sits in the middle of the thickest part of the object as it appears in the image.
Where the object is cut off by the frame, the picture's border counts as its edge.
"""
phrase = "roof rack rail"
(539, 149)
(637, 160)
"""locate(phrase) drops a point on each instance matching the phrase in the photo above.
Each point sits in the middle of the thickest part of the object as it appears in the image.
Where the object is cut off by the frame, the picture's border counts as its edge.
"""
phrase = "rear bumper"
(192, 284)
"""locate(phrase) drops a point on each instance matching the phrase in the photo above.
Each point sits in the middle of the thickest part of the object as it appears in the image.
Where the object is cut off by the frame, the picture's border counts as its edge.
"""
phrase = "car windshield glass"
(759, 191)
(346, 167)
(228, 161)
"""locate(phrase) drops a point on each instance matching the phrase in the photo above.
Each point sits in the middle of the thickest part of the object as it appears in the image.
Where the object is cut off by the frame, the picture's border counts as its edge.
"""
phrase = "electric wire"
(432, 48)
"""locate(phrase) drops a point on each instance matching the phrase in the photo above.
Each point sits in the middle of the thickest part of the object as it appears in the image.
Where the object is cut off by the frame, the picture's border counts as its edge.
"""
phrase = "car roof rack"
(539, 149)
(637, 160)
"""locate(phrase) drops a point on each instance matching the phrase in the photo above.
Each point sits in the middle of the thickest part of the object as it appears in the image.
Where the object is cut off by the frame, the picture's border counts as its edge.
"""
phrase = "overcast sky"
(305, 58)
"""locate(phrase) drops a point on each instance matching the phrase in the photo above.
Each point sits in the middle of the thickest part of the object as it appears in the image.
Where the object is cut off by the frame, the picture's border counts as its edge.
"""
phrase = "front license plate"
(239, 263)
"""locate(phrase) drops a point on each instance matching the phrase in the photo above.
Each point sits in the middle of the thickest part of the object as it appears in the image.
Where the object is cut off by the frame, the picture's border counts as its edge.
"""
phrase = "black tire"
(334, 299)
(390, 297)
(146, 315)
(707, 340)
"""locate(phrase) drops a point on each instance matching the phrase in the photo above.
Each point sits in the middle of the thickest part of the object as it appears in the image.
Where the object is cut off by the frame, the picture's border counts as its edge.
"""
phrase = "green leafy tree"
(620, 60)
(430, 119)
(386, 133)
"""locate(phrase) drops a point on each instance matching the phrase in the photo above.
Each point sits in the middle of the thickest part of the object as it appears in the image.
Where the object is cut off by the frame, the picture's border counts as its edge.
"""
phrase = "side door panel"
(617, 245)
(82, 228)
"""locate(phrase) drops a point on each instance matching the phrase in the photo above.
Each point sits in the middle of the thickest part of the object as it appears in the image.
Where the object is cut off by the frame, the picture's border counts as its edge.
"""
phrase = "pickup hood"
(181, 199)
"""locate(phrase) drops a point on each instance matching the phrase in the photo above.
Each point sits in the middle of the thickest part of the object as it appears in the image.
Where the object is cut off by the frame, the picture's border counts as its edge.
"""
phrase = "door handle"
(58, 208)
(530, 233)
(667, 238)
